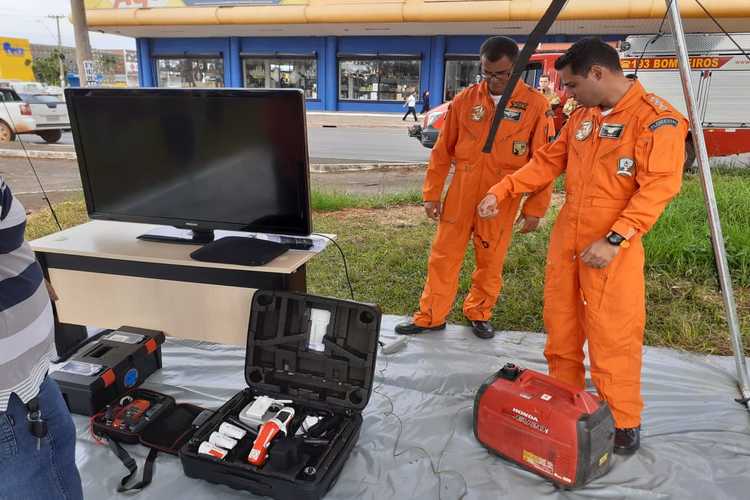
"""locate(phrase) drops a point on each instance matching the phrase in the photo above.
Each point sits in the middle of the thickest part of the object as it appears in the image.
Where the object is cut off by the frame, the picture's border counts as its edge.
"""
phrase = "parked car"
(50, 113)
(15, 116)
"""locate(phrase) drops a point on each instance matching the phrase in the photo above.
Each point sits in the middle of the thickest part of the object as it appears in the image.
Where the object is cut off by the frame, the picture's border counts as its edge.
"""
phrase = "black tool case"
(165, 426)
(332, 379)
(117, 361)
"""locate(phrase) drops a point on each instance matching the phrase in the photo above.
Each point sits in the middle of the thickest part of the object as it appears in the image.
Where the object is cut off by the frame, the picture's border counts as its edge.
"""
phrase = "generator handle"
(581, 400)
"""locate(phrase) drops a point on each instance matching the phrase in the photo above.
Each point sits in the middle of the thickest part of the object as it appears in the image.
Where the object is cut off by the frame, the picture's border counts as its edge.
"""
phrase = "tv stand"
(166, 234)
(106, 277)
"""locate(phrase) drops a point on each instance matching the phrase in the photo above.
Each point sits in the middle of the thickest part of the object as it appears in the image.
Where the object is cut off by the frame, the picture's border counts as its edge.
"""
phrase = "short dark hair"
(496, 47)
(587, 52)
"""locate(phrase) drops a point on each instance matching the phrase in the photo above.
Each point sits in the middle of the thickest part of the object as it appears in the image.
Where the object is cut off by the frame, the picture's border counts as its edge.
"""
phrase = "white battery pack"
(222, 441)
(207, 448)
(232, 431)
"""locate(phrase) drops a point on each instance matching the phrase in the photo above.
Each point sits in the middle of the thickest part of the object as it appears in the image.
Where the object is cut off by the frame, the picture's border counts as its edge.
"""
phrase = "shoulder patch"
(659, 104)
(662, 122)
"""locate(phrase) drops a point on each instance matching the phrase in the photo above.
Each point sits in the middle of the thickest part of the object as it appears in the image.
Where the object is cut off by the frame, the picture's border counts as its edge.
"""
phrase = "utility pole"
(59, 48)
(83, 47)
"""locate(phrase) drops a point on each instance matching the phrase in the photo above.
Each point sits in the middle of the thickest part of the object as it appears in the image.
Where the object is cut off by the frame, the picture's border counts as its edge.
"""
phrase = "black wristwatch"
(615, 239)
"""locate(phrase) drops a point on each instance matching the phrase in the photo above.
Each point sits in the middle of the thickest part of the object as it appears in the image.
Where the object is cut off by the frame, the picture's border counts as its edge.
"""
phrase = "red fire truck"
(720, 75)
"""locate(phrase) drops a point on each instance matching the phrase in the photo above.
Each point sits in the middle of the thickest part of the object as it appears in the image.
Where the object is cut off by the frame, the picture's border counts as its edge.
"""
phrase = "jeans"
(49, 472)
(410, 110)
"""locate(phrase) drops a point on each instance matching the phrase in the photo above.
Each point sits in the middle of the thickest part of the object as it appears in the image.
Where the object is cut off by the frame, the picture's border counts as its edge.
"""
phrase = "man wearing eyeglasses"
(524, 129)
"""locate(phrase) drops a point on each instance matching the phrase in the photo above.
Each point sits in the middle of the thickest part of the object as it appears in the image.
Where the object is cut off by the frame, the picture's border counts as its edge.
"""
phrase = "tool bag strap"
(129, 463)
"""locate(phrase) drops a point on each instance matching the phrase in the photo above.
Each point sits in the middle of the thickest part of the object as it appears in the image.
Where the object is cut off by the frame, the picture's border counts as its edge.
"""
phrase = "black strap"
(129, 463)
(529, 48)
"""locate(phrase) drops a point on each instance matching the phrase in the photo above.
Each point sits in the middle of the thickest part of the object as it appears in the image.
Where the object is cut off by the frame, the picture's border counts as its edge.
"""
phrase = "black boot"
(409, 328)
(627, 441)
(482, 329)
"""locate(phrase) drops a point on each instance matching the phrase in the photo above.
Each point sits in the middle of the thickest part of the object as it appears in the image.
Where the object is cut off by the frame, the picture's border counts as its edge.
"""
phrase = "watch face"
(615, 239)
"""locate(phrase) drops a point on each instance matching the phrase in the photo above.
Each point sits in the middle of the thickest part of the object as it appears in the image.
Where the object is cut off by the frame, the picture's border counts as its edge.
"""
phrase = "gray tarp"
(696, 439)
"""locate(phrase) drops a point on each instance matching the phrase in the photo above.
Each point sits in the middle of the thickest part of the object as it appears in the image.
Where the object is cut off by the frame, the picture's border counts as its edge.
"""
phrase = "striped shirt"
(26, 322)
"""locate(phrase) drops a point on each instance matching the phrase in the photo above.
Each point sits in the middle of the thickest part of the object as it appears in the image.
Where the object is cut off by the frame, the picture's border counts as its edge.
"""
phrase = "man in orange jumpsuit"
(525, 128)
(622, 153)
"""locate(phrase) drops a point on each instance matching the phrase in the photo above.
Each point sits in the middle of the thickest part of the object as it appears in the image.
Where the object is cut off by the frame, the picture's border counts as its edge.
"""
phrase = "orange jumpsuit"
(526, 128)
(621, 171)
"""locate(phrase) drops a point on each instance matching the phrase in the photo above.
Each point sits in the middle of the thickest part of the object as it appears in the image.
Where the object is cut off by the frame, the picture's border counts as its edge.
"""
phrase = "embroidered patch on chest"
(477, 113)
(584, 130)
(625, 167)
(611, 130)
(519, 148)
(519, 105)
(511, 115)
(662, 122)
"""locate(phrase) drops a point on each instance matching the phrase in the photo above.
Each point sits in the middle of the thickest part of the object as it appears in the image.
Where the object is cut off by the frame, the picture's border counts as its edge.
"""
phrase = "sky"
(28, 19)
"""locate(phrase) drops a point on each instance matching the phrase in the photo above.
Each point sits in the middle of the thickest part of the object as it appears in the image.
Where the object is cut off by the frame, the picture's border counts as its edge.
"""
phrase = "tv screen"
(199, 159)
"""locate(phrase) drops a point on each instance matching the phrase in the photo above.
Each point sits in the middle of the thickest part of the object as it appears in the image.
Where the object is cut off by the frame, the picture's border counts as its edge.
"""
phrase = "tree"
(107, 65)
(47, 69)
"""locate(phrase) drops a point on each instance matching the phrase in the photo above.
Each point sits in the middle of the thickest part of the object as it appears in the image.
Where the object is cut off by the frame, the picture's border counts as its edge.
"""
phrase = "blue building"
(348, 55)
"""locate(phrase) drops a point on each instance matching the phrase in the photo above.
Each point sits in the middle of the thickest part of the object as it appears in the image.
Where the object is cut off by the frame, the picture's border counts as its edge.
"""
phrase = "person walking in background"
(425, 101)
(411, 107)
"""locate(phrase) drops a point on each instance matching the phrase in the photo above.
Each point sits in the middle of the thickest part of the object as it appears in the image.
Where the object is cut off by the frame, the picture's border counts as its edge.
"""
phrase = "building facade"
(356, 55)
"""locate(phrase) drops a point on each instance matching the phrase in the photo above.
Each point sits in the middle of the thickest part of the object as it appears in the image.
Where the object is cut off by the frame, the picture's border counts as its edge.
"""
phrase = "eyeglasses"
(498, 75)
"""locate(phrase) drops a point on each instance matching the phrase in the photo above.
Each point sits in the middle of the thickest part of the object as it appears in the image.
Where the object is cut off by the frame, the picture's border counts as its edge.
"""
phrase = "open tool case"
(325, 367)
(149, 418)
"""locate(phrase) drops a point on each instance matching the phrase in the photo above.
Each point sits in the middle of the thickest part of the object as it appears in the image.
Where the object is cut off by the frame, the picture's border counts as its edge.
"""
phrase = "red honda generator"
(549, 427)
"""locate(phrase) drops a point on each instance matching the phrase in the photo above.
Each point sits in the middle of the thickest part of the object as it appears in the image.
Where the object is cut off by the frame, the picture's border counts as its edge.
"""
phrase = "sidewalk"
(365, 120)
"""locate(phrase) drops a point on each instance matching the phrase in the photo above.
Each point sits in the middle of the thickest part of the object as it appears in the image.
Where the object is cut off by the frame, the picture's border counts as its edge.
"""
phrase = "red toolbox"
(549, 427)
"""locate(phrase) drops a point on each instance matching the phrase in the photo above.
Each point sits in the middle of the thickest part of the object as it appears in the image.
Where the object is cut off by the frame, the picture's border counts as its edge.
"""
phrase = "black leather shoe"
(409, 328)
(627, 441)
(482, 329)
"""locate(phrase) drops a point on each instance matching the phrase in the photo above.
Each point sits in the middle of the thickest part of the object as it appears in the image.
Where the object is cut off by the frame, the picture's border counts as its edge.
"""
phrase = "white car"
(15, 116)
(50, 113)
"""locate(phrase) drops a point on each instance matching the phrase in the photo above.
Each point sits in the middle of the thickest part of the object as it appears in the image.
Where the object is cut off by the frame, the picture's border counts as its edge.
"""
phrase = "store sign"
(11, 50)
(88, 69)
(150, 4)
(671, 62)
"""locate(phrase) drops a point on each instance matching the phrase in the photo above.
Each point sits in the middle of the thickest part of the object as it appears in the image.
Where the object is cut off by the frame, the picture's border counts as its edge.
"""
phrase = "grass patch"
(387, 242)
(680, 245)
(331, 201)
(73, 211)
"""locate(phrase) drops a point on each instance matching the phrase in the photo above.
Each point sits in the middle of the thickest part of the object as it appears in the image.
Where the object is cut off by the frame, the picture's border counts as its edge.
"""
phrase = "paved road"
(325, 144)
(61, 180)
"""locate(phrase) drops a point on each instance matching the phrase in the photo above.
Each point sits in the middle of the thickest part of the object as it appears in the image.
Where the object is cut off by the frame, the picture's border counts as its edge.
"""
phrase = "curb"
(316, 168)
(335, 168)
(41, 155)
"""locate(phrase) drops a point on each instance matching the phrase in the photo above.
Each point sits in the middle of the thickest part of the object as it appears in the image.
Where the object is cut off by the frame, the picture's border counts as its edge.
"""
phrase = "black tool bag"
(167, 427)
(328, 375)
(113, 363)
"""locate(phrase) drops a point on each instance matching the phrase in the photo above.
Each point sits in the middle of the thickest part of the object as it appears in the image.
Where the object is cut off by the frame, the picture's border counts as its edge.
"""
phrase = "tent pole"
(709, 195)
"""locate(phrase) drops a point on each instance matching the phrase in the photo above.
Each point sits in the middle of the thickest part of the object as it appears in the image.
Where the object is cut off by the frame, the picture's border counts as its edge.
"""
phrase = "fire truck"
(720, 74)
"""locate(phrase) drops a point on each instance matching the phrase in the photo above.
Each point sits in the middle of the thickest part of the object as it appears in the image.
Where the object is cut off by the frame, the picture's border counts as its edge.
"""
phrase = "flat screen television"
(197, 159)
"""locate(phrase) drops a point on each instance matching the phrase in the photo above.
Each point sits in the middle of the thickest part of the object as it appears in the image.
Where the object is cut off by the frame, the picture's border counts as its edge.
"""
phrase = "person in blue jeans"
(37, 435)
